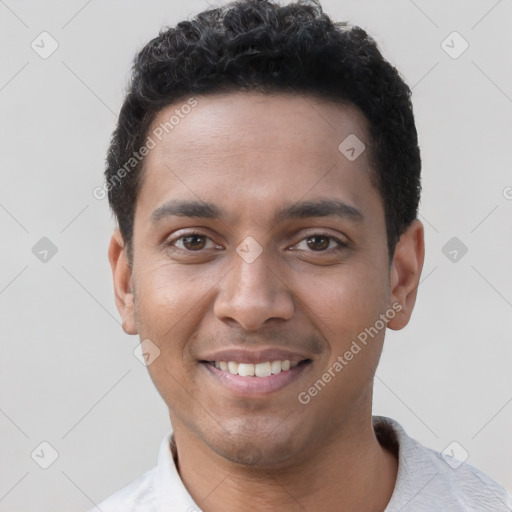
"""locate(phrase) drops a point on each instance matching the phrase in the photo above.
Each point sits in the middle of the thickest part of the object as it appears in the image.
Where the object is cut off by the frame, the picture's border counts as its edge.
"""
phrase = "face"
(260, 247)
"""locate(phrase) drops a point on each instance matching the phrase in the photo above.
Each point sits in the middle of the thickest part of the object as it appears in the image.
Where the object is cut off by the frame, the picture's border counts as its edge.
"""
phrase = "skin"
(251, 155)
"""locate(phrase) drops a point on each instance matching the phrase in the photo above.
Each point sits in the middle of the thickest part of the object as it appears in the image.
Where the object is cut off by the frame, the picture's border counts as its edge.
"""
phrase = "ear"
(123, 283)
(405, 273)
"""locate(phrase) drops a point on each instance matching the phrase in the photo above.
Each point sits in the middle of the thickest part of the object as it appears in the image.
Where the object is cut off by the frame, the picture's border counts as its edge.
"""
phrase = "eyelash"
(340, 244)
(171, 243)
(339, 247)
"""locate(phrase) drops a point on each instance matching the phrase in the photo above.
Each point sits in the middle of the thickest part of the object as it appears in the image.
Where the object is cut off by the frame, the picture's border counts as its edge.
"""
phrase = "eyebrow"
(175, 208)
(300, 210)
(319, 208)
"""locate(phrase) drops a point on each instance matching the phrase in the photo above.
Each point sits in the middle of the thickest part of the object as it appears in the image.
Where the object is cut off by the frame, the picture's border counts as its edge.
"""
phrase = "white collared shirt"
(427, 481)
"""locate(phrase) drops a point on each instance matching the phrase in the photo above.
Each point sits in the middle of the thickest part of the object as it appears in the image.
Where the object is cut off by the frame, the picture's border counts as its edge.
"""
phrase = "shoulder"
(430, 481)
(136, 496)
(158, 489)
(461, 485)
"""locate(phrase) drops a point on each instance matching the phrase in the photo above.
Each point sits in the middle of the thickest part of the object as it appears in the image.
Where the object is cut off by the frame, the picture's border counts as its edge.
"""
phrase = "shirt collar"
(170, 492)
(172, 495)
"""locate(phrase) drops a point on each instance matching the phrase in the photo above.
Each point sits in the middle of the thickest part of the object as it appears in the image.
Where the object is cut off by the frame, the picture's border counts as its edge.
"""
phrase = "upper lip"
(254, 356)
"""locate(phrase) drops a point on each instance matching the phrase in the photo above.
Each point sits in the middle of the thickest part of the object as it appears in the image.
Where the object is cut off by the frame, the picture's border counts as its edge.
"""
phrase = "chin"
(257, 451)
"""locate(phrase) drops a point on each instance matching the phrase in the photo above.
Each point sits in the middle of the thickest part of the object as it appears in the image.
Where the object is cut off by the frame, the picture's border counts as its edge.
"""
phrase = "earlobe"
(405, 273)
(123, 283)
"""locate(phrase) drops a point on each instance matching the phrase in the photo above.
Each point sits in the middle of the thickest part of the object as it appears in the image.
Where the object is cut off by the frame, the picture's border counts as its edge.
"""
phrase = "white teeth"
(262, 370)
(246, 370)
(259, 370)
(275, 367)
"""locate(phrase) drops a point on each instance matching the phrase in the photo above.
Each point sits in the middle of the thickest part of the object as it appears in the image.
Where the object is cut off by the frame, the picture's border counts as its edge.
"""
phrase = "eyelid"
(171, 241)
(342, 241)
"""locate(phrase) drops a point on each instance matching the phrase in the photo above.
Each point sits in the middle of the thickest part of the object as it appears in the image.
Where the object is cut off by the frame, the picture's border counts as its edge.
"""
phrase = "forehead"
(253, 151)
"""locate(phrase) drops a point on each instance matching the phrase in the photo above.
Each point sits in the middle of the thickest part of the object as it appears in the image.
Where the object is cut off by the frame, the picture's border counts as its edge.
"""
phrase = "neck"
(350, 473)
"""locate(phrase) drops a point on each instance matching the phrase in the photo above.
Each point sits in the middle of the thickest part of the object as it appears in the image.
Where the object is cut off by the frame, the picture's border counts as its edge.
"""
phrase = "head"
(265, 176)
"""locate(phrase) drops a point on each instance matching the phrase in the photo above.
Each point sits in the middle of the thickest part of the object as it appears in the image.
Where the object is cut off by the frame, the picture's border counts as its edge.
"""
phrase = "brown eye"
(192, 246)
(193, 242)
(323, 243)
(318, 243)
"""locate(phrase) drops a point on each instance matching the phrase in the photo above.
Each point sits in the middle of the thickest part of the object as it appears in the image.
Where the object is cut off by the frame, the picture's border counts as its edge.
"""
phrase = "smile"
(256, 379)
(264, 369)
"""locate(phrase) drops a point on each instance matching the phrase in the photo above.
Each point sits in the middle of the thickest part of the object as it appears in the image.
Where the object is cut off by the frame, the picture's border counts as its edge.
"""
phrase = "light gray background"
(68, 373)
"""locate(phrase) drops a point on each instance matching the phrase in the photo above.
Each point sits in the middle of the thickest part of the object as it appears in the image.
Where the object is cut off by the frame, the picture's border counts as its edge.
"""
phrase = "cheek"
(168, 305)
(168, 293)
(346, 300)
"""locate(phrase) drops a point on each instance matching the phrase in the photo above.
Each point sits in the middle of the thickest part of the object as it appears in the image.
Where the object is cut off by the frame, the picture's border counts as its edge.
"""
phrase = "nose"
(252, 294)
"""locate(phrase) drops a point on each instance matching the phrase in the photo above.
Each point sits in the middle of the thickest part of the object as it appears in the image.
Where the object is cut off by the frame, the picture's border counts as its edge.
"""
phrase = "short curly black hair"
(259, 45)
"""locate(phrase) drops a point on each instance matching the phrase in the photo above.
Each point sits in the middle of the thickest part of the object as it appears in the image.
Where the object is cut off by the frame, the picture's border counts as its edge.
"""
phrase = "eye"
(192, 242)
(321, 242)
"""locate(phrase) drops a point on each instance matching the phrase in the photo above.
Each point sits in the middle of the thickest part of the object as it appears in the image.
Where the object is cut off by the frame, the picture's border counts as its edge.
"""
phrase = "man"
(265, 176)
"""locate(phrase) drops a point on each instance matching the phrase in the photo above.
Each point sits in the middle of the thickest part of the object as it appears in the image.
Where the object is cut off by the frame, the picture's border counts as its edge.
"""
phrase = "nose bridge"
(251, 293)
(253, 278)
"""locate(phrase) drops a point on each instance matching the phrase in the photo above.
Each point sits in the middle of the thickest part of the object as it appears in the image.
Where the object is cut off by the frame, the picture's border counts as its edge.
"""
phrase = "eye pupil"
(319, 242)
(194, 241)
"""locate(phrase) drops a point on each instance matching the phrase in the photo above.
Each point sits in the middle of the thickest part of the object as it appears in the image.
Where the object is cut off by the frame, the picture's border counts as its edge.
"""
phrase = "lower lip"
(250, 386)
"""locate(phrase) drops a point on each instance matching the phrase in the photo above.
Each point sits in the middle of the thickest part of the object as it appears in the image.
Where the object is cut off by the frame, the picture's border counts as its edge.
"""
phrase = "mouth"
(252, 379)
(264, 369)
